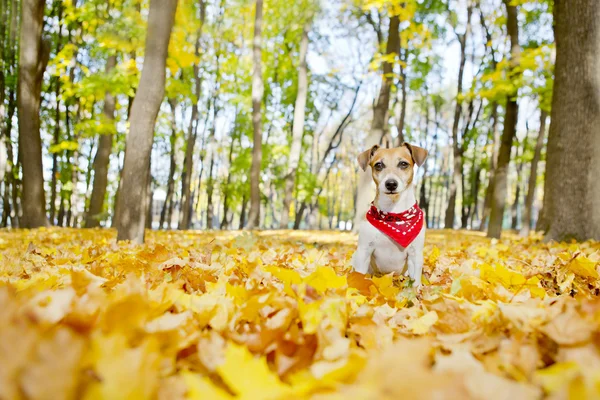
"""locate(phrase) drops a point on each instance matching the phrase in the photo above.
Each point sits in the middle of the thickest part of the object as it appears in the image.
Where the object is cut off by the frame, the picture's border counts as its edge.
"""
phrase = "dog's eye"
(378, 166)
(403, 164)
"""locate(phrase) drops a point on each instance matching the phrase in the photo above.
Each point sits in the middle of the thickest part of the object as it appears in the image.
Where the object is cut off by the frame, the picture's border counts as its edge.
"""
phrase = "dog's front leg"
(361, 260)
(415, 259)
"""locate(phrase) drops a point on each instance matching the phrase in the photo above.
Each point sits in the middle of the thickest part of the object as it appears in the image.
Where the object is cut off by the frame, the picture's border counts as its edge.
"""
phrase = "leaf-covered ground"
(279, 315)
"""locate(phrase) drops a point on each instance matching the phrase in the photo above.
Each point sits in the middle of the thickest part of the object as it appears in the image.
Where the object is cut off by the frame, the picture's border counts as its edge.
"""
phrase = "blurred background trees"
(266, 106)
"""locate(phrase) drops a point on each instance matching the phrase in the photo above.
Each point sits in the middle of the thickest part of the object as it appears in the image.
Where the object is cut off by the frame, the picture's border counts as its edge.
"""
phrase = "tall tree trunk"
(33, 58)
(11, 180)
(225, 221)
(167, 209)
(151, 90)
(487, 202)
(299, 214)
(402, 106)
(243, 211)
(572, 188)
(510, 127)
(297, 130)
(495, 132)
(257, 95)
(539, 144)
(102, 159)
(188, 164)
(149, 199)
(54, 178)
(456, 145)
(210, 184)
(379, 125)
(515, 206)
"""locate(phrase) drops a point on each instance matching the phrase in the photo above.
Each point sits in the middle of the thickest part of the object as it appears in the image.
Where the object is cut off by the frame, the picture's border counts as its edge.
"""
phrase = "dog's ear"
(419, 154)
(365, 157)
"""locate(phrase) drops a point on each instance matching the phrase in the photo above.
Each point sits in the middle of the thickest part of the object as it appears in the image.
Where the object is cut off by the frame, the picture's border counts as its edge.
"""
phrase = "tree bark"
(54, 178)
(456, 146)
(510, 128)
(487, 202)
(531, 186)
(257, 95)
(243, 211)
(188, 164)
(102, 159)
(515, 206)
(225, 221)
(167, 209)
(34, 53)
(495, 132)
(572, 188)
(131, 219)
(403, 91)
(297, 130)
(379, 125)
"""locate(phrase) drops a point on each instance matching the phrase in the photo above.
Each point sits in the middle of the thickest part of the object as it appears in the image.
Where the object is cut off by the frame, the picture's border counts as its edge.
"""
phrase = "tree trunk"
(379, 125)
(572, 188)
(33, 58)
(495, 132)
(299, 215)
(403, 91)
(533, 174)
(510, 128)
(243, 212)
(297, 130)
(257, 95)
(167, 209)
(225, 221)
(131, 222)
(456, 146)
(515, 206)
(102, 159)
(188, 164)
(149, 199)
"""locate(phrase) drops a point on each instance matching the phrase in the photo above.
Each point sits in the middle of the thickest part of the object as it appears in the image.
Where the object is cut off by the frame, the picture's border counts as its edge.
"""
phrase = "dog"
(391, 240)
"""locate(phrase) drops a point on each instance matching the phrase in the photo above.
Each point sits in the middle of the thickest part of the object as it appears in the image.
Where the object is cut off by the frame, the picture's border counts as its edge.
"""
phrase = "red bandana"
(402, 228)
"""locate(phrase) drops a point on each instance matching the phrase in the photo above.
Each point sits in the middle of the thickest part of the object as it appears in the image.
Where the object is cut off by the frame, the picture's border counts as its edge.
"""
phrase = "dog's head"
(392, 169)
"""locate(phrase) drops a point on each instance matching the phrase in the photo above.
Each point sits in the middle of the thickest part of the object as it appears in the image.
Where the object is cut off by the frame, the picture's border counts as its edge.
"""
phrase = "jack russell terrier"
(394, 233)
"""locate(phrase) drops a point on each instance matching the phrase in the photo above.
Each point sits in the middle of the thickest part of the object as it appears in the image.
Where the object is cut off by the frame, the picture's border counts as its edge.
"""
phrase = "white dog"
(394, 233)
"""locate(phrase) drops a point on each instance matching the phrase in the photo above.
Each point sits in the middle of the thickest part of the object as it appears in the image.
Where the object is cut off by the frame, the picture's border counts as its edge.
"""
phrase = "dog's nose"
(391, 185)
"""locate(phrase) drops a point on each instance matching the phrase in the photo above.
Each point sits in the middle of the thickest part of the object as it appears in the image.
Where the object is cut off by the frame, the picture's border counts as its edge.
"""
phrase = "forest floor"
(278, 314)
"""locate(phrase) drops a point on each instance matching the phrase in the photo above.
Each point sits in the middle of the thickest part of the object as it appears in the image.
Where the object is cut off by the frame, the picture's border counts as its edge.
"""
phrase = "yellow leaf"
(324, 278)
(583, 266)
(422, 324)
(249, 377)
(201, 388)
(124, 372)
(557, 375)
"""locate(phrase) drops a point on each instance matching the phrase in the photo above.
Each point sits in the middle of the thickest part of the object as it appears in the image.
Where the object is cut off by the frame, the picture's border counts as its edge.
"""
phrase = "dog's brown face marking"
(392, 169)
(397, 161)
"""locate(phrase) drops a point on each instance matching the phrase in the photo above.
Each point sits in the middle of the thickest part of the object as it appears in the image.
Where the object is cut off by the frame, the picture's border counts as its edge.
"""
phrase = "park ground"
(279, 314)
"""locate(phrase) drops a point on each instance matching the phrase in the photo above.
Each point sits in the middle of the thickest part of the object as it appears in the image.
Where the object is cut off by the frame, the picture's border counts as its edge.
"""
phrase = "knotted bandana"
(402, 227)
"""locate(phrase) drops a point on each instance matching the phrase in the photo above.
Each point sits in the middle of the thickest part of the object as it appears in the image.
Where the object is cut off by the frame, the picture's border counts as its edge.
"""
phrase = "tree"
(257, 94)
(33, 58)
(572, 189)
(297, 129)
(188, 163)
(500, 180)
(102, 158)
(457, 165)
(379, 124)
(149, 96)
(533, 174)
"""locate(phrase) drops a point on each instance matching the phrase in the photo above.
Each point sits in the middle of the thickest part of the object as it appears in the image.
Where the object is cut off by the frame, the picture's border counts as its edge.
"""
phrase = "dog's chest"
(388, 255)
